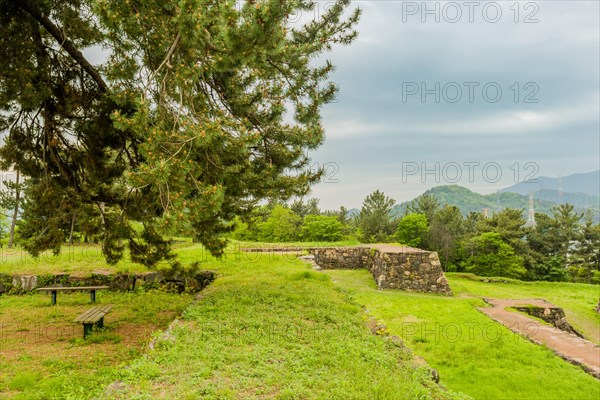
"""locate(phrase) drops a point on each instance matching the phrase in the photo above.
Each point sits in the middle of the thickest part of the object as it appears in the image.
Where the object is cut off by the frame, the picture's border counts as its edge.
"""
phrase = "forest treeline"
(564, 245)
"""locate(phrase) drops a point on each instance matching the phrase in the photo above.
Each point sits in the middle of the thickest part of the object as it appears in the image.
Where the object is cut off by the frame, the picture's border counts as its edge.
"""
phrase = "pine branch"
(32, 8)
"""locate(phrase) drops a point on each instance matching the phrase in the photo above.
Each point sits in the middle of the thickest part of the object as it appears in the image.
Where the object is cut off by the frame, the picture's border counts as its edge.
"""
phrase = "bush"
(491, 256)
(321, 228)
(412, 230)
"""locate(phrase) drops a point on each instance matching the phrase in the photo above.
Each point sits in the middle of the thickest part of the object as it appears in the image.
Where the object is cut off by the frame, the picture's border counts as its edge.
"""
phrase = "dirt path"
(568, 346)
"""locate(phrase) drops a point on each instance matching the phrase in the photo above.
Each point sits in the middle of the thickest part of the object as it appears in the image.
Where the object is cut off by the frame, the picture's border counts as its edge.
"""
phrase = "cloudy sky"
(481, 94)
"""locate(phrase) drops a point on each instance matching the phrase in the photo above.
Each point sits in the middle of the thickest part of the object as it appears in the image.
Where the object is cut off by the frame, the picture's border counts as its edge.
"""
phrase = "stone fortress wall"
(392, 267)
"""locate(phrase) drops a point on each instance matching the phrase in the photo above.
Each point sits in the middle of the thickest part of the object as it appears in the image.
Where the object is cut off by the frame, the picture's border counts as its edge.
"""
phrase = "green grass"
(577, 299)
(474, 354)
(275, 330)
(271, 328)
(245, 244)
(79, 259)
(82, 259)
(43, 355)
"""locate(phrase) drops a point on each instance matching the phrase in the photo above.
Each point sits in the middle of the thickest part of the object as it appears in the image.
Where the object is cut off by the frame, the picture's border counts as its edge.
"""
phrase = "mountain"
(585, 183)
(468, 201)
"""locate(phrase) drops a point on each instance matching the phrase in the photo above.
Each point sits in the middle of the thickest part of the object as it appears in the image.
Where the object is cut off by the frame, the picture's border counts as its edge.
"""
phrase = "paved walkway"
(568, 346)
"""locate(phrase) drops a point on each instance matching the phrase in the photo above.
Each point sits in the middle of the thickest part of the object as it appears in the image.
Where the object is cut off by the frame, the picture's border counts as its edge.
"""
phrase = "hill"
(468, 201)
(583, 183)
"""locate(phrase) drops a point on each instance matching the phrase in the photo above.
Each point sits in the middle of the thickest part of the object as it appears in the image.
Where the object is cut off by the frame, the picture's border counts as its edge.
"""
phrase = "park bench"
(54, 290)
(93, 316)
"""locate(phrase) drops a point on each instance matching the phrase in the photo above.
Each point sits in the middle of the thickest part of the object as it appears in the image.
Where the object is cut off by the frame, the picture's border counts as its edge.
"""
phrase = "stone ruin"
(551, 314)
(392, 267)
(19, 284)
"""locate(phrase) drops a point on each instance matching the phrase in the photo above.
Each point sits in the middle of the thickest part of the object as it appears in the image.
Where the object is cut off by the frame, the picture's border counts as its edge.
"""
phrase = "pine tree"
(587, 248)
(374, 219)
(202, 109)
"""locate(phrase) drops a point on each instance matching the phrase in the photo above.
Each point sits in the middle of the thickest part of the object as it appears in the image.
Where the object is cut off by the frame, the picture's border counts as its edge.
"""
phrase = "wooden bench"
(54, 290)
(93, 316)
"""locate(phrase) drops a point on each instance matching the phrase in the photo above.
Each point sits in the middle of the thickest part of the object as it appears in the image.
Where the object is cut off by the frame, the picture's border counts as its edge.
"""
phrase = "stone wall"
(341, 257)
(553, 315)
(17, 284)
(408, 269)
(413, 272)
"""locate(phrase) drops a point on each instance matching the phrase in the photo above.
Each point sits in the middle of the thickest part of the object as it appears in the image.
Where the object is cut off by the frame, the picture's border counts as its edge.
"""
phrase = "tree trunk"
(598, 307)
(13, 223)
(72, 227)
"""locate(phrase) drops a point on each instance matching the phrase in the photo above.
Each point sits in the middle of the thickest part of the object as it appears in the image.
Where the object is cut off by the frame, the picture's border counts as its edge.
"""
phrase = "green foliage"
(412, 230)
(281, 226)
(202, 110)
(489, 255)
(584, 264)
(303, 209)
(374, 220)
(445, 233)
(321, 228)
(425, 204)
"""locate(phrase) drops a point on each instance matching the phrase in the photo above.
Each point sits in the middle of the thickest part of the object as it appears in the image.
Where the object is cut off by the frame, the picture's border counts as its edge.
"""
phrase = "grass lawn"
(83, 259)
(275, 329)
(474, 354)
(271, 328)
(74, 259)
(43, 355)
(577, 299)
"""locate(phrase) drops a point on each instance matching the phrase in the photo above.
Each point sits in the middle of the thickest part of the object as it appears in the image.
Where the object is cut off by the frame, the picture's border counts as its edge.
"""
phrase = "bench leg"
(87, 329)
(100, 323)
(54, 292)
(93, 295)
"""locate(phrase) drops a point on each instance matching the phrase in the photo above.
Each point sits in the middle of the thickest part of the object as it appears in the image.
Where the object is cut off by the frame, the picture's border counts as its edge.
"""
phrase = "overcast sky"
(491, 94)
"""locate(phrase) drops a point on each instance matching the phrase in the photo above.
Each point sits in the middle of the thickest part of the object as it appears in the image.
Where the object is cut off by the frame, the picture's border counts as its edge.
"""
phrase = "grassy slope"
(272, 328)
(472, 353)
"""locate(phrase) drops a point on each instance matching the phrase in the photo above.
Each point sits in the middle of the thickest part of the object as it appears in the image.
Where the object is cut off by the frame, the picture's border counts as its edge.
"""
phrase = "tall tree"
(374, 219)
(202, 109)
(509, 224)
(543, 261)
(445, 233)
(426, 204)
(566, 229)
(587, 249)
(302, 209)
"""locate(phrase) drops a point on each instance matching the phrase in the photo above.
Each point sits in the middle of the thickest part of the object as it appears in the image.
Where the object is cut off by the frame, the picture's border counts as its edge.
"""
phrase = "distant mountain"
(468, 201)
(353, 212)
(586, 183)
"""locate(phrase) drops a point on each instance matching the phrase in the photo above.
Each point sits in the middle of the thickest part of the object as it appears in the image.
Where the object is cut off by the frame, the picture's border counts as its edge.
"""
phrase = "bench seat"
(91, 317)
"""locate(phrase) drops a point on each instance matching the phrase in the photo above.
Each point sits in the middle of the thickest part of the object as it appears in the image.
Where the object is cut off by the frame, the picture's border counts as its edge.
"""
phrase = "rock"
(24, 283)
(122, 282)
